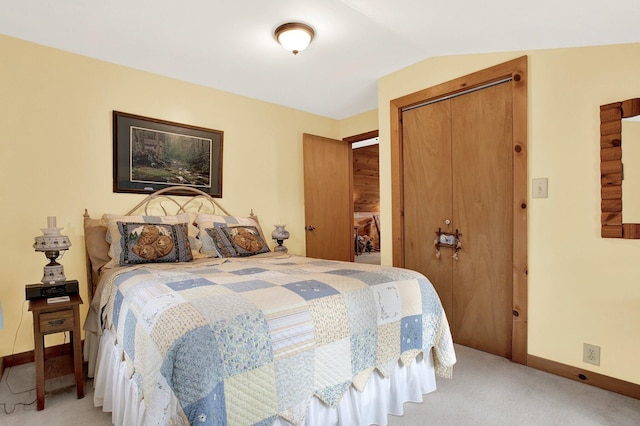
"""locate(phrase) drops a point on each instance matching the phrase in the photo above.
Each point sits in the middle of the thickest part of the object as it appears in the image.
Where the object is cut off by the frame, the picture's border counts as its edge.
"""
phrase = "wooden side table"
(49, 318)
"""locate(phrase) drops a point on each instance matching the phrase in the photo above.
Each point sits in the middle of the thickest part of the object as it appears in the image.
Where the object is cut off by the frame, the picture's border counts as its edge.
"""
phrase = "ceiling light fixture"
(294, 36)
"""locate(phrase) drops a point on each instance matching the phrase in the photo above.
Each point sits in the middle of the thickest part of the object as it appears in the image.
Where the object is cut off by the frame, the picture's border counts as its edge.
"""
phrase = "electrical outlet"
(591, 354)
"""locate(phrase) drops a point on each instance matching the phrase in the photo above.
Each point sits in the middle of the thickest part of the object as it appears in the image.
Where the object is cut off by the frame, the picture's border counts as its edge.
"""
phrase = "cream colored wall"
(358, 124)
(582, 288)
(56, 158)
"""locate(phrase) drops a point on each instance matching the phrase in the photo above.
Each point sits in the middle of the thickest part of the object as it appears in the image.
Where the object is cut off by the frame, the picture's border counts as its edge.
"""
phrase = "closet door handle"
(310, 227)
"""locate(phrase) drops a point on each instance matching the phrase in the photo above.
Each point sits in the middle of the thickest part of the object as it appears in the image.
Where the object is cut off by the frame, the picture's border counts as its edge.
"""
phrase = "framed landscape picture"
(151, 154)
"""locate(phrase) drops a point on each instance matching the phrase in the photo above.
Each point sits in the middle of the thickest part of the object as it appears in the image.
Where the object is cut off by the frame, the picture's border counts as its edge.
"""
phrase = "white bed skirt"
(116, 393)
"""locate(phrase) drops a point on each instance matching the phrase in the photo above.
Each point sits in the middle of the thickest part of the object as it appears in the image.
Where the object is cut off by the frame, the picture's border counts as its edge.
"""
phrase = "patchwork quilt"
(246, 340)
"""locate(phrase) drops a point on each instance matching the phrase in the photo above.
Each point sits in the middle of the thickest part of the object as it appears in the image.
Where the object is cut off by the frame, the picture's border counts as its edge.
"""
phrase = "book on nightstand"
(59, 299)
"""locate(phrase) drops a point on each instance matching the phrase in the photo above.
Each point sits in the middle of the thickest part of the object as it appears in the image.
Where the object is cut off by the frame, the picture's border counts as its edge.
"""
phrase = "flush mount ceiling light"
(294, 36)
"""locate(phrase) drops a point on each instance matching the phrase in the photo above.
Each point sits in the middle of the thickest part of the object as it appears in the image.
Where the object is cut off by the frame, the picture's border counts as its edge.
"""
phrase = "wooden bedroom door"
(328, 204)
(458, 177)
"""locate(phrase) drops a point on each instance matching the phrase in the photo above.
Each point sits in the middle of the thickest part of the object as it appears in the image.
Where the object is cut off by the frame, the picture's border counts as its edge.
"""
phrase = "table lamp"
(52, 243)
(280, 234)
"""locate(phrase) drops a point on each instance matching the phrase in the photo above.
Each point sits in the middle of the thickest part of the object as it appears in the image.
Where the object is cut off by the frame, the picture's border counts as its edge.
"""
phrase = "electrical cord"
(13, 349)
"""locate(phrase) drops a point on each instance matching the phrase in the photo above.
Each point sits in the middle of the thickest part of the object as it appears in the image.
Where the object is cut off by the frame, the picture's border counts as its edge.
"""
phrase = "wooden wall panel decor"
(631, 108)
(631, 231)
(610, 154)
(611, 192)
(611, 231)
(611, 171)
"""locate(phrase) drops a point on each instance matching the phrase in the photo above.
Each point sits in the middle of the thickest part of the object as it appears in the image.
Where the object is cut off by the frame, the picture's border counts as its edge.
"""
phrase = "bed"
(193, 320)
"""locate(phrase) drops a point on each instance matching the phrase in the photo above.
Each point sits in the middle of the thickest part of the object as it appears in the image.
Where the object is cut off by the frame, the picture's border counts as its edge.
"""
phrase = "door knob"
(310, 228)
(447, 221)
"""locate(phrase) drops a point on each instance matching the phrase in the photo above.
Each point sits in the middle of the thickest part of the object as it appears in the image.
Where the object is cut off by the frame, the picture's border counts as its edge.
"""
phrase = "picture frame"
(150, 154)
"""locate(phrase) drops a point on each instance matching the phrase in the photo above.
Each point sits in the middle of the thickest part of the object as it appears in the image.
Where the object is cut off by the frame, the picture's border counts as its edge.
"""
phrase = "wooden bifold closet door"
(458, 177)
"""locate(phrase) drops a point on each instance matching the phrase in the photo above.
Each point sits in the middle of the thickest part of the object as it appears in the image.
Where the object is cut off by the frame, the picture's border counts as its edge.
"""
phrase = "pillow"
(237, 241)
(207, 221)
(221, 243)
(113, 235)
(153, 243)
(246, 240)
(96, 244)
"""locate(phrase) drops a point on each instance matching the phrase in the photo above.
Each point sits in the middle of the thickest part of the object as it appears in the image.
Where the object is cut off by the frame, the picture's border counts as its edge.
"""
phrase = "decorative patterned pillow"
(153, 243)
(209, 221)
(113, 232)
(245, 240)
(221, 243)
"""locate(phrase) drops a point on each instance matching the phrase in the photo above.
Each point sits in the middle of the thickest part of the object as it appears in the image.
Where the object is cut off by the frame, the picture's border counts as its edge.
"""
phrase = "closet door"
(427, 193)
(482, 210)
(457, 176)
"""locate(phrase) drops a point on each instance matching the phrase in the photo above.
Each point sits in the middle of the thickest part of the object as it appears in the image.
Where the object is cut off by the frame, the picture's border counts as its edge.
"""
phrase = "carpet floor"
(485, 390)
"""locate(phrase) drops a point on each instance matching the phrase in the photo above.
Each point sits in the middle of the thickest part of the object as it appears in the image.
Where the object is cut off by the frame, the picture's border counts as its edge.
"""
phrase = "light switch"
(540, 187)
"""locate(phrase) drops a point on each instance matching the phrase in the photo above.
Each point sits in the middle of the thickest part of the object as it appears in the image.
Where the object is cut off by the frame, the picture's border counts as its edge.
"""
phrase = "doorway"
(448, 176)
(331, 228)
(366, 197)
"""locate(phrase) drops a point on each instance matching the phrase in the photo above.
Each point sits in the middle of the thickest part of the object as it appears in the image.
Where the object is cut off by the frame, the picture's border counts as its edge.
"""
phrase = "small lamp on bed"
(52, 243)
(280, 234)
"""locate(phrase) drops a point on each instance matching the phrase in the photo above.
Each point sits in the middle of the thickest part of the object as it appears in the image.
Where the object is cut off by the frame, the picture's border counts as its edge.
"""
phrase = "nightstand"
(49, 318)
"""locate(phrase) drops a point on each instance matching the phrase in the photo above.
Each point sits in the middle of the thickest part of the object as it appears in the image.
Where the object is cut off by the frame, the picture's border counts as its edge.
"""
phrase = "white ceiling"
(229, 44)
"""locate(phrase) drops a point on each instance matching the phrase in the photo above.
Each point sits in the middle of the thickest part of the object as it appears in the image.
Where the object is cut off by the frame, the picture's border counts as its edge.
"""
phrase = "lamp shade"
(280, 233)
(294, 36)
(52, 242)
(52, 239)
